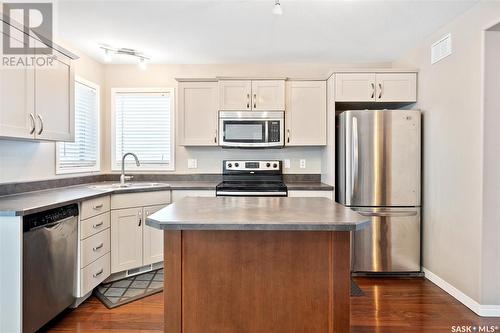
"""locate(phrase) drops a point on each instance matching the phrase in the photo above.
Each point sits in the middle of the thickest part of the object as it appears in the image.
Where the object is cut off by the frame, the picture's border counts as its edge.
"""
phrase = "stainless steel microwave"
(251, 129)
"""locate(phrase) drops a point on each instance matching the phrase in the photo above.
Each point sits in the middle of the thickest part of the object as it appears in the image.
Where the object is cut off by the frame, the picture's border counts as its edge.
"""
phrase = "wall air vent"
(441, 49)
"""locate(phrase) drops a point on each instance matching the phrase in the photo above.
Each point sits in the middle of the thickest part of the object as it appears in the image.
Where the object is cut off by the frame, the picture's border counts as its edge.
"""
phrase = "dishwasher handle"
(49, 218)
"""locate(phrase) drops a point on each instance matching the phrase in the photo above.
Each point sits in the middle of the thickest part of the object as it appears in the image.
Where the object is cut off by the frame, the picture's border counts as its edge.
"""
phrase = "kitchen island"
(257, 264)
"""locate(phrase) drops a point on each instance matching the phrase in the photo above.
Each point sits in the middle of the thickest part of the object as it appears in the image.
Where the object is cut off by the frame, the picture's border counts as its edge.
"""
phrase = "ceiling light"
(142, 64)
(107, 56)
(277, 8)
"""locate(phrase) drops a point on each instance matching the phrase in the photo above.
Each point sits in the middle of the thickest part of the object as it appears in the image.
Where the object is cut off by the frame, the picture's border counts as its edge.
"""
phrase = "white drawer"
(140, 199)
(94, 274)
(94, 225)
(95, 247)
(94, 207)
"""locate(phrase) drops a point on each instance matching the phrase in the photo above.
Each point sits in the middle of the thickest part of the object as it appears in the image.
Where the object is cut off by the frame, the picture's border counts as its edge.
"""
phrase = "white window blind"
(143, 126)
(83, 154)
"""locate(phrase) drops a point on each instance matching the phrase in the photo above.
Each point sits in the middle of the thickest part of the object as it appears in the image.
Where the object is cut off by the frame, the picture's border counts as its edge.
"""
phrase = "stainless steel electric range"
(252, 178)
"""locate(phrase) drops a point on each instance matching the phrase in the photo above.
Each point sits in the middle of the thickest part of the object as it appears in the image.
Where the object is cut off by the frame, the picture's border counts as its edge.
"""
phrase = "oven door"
(250, 129)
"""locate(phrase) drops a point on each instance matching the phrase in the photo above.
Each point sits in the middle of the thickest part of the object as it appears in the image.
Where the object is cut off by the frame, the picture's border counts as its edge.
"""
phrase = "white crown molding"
(482, 310)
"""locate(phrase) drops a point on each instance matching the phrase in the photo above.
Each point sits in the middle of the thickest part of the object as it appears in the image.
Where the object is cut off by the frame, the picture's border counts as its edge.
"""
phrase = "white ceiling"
(233, 31)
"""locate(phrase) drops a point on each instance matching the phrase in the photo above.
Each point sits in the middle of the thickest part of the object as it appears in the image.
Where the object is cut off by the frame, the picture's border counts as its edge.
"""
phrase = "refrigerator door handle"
(394, 213)
(355, 155)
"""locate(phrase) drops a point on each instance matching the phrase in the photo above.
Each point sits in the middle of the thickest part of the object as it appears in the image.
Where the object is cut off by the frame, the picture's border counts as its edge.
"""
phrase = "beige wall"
(450, 95)
(25, 160)
(490, 287)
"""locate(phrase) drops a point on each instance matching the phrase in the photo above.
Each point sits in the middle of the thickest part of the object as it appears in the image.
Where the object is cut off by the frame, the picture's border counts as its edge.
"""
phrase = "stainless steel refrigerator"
(378, 175)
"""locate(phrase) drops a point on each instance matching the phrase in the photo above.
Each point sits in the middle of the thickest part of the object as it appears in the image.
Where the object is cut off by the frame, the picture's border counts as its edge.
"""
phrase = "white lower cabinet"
(126, 239)
(310, 194)
(152, 247)
(94, 245)
(133, 243)
(92, 275)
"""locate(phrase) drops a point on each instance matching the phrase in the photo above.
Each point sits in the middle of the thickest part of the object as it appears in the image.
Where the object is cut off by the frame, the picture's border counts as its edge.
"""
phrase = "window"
(83, 154)
(142, 124)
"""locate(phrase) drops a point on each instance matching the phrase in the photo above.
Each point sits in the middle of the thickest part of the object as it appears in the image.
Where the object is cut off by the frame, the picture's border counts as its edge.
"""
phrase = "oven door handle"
(250, 193)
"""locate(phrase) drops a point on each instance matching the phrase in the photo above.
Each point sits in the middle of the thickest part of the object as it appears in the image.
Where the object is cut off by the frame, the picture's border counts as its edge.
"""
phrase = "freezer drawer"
(391, 243)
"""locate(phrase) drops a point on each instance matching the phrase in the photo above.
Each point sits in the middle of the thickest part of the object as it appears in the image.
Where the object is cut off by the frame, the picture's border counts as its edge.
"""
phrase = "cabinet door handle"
(96, 274)
(254, 101)
(373, 90)
(215, 137)
(98, 247)
(33, 123)
(98, 206)
(380, 90)
(97, 225)
(41, 124)
(248, 101)
(140, 219)
(287, 136)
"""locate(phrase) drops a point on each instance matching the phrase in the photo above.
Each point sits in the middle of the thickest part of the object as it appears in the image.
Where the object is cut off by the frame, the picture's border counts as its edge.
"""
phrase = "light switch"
(302, 164)
(287, 163)
(192, 163)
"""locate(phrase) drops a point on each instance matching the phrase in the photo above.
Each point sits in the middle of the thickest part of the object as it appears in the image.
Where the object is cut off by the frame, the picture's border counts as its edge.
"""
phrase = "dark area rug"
(127, 290)
(356, 290)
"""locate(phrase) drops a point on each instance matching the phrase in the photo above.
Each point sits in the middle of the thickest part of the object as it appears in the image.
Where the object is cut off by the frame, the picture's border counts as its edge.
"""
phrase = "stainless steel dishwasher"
(49, 264)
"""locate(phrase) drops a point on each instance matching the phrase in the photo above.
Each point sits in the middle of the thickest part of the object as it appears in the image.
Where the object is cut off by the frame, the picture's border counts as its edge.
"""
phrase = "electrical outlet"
(302, 164)
(287, 163)
(192, 163)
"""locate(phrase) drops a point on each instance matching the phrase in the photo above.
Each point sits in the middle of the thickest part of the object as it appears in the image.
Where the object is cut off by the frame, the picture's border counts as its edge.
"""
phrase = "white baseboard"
(482, 310)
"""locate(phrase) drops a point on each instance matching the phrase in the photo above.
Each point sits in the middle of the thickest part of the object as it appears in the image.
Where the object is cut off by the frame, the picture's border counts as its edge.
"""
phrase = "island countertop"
(257, 213)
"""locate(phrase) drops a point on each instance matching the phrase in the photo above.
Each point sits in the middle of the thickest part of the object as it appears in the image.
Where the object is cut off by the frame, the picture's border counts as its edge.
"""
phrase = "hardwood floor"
(392, 305)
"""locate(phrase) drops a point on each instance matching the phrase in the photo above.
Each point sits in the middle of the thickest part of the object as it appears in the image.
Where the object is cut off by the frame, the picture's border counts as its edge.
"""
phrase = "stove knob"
(268, 165)
(275, 165)
(229, 165)
(236, 164)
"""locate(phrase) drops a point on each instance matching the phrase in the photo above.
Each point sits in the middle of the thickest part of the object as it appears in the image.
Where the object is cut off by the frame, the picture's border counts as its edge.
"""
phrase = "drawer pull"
(96, 274)
(98, 247)
(97, 225)
(98, 206)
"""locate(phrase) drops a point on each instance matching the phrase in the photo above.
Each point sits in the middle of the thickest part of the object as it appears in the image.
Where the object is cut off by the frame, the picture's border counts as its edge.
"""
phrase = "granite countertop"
(308, 186)
(36, 201)
(257, 213)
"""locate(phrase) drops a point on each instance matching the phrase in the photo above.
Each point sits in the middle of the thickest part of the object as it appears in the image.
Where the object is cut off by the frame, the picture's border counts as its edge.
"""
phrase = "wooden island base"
(257, 281)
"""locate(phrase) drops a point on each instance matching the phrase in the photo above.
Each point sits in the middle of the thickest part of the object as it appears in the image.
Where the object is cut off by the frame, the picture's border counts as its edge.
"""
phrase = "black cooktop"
(252, 178)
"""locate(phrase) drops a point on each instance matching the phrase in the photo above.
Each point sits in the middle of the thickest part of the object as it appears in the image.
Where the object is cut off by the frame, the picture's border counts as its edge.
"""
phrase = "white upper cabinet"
(376, 87)
(54, 101)
(305, 113)
(268, 95)
(37, 102)
(258, 95)
(235, 95)
(353, 87)
(397, 87)
(197, 121)
(17, 118)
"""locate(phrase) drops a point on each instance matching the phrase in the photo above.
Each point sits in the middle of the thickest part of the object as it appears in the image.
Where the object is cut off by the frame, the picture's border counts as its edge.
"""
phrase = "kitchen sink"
(116, 186)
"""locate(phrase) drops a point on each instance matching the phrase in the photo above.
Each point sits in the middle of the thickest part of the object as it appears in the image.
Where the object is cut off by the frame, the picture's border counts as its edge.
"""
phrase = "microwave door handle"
(266, 131)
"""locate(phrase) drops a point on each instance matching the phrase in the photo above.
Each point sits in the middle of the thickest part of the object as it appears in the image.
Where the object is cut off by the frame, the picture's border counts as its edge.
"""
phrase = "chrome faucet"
(123, 178)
